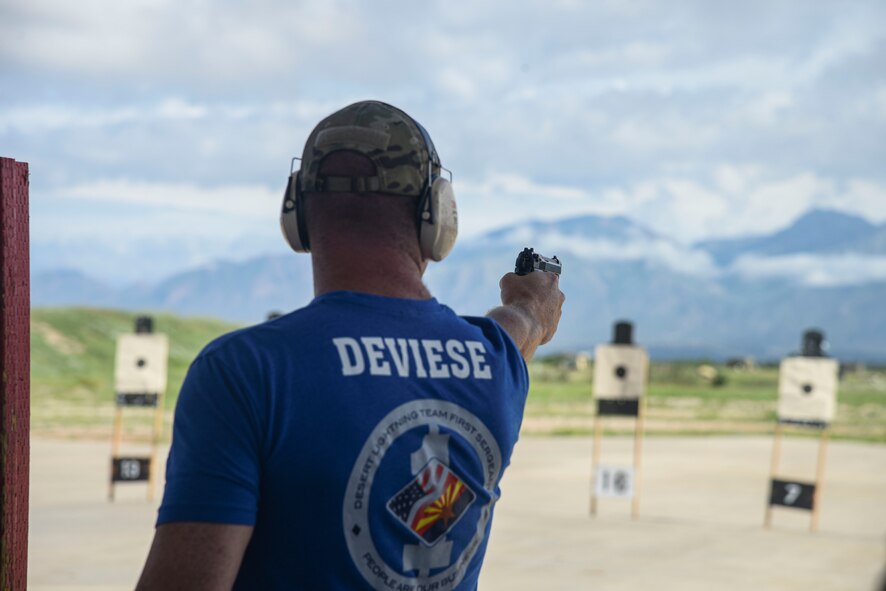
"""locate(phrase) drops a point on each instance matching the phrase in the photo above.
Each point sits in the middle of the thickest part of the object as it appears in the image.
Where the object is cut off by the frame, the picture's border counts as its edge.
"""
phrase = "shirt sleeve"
(214, 466)
(515, 366)
(515, 362)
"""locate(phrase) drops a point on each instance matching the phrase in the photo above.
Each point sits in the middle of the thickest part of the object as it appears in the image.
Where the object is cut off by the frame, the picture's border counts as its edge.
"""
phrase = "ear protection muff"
(292, 218)
(437, 213)
(438, 220)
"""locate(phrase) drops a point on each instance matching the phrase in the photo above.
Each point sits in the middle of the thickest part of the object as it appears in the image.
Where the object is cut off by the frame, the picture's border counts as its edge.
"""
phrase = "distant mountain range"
(717, 298)
(817, 232)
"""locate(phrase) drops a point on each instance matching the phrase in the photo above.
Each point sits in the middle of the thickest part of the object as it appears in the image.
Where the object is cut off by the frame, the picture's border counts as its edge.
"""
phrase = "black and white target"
(620, 372)
(141, 363)
(807, 389)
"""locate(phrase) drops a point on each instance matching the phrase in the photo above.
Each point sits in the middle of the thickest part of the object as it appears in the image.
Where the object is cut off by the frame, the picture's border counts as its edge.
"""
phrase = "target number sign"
(798, 495)
(614, 481)
(131, 469)
(146, 399)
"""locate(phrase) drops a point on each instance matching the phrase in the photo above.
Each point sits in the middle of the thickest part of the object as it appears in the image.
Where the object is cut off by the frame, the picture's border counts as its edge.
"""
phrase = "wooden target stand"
(795, 494)
(807, 399)
(613, 481)
(141, 380)
(620, 376)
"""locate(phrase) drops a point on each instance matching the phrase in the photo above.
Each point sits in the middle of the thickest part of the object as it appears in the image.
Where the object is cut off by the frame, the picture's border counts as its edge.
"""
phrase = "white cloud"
(517, 185)
(698, 119)
(736, 180)
(674, 256)
(171, 40)
(53, 117)
(731, 201)
(860, 196)
(241, 200)
(768, 107)
(500, 199)
(633, 54)
(736, 201)
(46, 117)
(636, 244)
(880, 99)
(814, 271)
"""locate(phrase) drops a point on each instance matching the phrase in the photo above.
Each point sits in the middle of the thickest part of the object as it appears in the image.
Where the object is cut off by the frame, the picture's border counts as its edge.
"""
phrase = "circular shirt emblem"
(429, 505)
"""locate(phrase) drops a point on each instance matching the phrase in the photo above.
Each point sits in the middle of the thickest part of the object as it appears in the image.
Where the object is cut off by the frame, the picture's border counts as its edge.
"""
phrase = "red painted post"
(14, 374)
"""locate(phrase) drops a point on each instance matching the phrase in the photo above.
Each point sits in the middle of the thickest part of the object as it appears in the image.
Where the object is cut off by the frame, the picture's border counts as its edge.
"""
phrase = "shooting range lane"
(79, 540)
(700, 526)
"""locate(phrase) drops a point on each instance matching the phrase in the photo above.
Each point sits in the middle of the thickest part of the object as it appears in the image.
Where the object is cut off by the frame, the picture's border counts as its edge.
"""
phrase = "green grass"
(72, 369)
(72, 365)
(680, 401)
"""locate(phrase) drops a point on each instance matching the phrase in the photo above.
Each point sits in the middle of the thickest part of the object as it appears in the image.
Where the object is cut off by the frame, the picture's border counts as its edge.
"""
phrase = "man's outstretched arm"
(195, 557)
(530, 310)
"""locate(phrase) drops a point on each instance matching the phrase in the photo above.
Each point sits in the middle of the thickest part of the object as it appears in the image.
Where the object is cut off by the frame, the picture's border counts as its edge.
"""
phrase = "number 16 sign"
(614, 481)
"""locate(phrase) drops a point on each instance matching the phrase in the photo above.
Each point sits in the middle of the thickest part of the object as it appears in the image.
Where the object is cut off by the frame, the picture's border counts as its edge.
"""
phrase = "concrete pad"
(700, 525)
(701, 515)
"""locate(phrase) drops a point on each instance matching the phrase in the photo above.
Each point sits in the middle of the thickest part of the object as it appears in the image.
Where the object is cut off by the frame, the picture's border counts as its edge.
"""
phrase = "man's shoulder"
(258, 336)
(305, 324)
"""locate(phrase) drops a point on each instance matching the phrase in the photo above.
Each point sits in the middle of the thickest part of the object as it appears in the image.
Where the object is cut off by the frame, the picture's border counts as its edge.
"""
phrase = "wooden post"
(116, 438)
(773, 470)
(638, 457)
(819, 478)
(155, 441)
(595, 460)
(14, 374)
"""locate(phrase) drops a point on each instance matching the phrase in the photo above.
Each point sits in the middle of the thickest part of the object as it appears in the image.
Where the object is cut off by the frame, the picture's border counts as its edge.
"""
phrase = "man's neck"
(390, 272)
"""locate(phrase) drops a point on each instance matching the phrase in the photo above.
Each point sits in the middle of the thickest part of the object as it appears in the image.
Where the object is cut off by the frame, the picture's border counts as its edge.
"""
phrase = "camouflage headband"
(398, 146)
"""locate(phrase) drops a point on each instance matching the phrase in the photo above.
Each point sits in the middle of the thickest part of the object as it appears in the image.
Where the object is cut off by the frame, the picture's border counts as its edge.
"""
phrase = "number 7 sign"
(797, 495)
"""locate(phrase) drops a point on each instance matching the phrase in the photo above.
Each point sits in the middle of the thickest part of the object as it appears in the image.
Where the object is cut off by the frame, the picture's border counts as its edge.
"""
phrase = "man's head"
(362, 168)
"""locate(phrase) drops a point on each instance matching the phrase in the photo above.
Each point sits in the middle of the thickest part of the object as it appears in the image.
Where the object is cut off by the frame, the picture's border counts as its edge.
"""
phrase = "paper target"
(141, 363)
(620, 372)
(807, 389)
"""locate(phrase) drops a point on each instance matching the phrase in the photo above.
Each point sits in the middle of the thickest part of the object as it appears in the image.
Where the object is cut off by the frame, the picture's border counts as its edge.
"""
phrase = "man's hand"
(530, 310)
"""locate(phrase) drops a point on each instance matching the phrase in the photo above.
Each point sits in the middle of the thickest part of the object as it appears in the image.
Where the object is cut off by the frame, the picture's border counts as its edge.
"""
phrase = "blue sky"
(159, 133)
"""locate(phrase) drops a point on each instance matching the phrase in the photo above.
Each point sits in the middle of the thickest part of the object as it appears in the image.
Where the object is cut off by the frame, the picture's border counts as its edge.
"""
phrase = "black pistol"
(529, 261)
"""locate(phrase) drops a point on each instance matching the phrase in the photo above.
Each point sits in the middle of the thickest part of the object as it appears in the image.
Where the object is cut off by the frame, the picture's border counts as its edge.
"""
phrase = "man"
(357, 442)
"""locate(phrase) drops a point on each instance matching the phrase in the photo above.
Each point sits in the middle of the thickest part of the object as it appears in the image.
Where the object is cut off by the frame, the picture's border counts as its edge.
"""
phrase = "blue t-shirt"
(364, 437)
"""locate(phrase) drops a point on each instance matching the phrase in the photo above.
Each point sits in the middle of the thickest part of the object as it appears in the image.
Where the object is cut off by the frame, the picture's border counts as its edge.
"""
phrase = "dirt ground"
(700, 523)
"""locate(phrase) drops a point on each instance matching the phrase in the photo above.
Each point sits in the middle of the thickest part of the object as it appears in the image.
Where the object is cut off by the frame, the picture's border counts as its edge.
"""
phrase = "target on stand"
(620, 375)
(807, 397)
(140, 381)
(140, 366)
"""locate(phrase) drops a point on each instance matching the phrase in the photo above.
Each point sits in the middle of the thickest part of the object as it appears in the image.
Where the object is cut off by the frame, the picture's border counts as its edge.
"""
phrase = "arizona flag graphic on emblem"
(432, 502)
